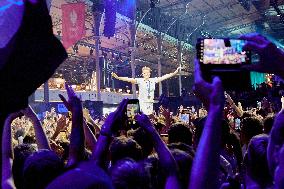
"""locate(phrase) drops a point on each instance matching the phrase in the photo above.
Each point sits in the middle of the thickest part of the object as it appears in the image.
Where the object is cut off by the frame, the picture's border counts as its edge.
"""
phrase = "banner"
(73, 23)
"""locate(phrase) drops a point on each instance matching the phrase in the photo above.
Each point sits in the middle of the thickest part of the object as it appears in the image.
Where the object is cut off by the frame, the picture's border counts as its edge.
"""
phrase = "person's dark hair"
(183, 147)
(65, 146)
(144, 140)
(86, 176)
(159, 126)
(199, 125)
(180, 133)
(29, 139)
(127, 173)
(21, 153)
(255, 160)
(234, 141)
(40, 168)
(225, 135)
(19, 132)
(267, 124)
(250, 127)
(247, 114)
(123, 147)
(184, 162)
(277, 133)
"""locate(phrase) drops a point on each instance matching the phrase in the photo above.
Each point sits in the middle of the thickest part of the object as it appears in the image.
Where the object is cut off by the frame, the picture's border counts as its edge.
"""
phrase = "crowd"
(222, 146)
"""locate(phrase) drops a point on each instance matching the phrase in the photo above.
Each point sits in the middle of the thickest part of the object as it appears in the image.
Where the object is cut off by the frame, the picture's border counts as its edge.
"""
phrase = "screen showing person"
(223, 51)
(133, 108)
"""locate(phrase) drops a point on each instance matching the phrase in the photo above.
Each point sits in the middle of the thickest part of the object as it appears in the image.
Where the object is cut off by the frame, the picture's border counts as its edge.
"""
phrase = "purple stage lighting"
(126, 8)
(110, 17)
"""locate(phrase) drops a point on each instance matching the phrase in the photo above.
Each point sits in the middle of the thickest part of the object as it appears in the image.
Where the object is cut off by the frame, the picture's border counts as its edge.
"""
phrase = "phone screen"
(223, 51)
(133, 109)
(184, 118)
(237, 123)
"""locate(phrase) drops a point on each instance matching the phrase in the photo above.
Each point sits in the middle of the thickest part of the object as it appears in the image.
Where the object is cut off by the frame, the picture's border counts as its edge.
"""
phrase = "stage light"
(110, 18)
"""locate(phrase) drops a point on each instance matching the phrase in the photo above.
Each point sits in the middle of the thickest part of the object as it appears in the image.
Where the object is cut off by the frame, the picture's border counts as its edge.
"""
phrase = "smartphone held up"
(224, 58)
(133, 109)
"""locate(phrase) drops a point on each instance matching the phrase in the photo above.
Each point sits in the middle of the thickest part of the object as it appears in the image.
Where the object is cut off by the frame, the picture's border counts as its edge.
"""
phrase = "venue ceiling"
(185, 20)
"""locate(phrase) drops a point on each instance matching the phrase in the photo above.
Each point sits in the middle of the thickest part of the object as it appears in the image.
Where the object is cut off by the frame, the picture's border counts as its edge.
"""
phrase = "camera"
(224, 58)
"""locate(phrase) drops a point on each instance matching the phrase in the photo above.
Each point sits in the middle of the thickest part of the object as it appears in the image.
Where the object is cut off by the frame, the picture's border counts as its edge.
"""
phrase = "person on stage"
(146, 87)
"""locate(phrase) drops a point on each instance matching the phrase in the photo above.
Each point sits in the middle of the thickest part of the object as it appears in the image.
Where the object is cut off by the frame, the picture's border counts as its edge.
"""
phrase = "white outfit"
(146, 94)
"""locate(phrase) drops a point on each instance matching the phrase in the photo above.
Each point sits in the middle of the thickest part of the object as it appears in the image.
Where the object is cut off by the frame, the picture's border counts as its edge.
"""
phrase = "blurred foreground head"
(86, 175)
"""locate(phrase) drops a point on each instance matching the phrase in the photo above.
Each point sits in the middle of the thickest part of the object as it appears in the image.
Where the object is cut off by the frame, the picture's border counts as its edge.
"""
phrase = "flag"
(73, 23)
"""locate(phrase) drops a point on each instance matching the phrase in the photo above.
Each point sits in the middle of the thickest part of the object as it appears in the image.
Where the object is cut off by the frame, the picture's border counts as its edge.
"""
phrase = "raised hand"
(180, 68)
(73, 101)
(86, 114)
(61, 124)
(209, 93)
(144, 121)
(114, 75)
(229, 99)
(271, 58)
(115, 119)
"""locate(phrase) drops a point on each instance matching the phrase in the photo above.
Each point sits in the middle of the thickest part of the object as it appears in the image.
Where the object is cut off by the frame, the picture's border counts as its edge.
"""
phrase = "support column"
(179, 58)
(160, 74)
(133, 48)
(45, 85)
(159, 42)
(46, 92)
(97, 15)
(98, 70)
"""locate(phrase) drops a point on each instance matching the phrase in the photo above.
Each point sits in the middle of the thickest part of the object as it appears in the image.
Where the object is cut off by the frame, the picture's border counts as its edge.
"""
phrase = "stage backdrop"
(73, 23)
(257, 78)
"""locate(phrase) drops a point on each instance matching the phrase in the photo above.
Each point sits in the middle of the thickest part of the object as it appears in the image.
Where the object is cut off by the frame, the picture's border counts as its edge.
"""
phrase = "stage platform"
(106, 97)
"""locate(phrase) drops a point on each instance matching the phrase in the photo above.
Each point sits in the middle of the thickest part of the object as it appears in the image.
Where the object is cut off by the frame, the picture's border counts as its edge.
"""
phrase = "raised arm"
(168, 76)
(77, 139)
(90, 120)
(111, 126)
(165, 157)
(238, 108)
(41, 139)
(7, 153)
(61, 125)
(127, 79)
(90, 138)
(207, 159)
